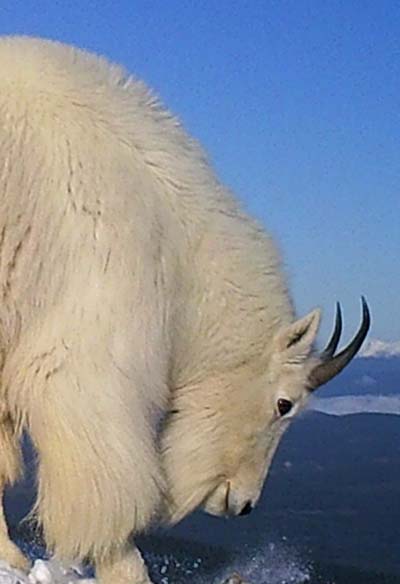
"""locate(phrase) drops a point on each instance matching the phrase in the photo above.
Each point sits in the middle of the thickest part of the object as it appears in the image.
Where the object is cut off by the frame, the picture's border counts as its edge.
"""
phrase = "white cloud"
(377, 348)
(354, 404)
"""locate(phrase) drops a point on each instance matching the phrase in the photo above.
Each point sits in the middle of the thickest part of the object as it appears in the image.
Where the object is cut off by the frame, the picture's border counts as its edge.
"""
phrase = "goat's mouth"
(235, 506)
(224, 502)
(228, 490)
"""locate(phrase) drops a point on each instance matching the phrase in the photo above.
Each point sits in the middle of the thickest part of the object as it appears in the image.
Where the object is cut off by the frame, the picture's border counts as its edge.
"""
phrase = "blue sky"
(297, 104)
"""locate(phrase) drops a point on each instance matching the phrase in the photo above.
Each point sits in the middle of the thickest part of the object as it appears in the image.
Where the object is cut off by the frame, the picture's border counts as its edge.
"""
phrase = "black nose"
(248, 508)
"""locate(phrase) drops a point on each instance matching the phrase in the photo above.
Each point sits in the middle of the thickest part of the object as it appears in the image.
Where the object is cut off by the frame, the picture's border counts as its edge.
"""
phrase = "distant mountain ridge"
(356, 404)
(375, 375)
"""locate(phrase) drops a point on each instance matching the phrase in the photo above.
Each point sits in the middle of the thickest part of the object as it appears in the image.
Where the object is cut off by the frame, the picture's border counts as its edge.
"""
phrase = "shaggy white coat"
(129, 278)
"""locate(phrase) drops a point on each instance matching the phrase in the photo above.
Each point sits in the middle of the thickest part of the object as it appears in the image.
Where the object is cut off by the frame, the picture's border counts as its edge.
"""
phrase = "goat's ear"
(295, 341)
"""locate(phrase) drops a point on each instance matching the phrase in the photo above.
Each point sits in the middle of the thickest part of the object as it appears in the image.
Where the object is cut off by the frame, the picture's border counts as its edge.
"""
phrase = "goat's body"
(126, 270)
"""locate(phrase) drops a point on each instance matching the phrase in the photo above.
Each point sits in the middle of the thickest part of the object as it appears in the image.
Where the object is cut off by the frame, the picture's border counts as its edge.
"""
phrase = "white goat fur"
(130, 278)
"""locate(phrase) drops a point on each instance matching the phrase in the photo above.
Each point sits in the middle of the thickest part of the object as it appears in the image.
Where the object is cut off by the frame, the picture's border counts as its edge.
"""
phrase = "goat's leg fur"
(121, 566)
(10, 469)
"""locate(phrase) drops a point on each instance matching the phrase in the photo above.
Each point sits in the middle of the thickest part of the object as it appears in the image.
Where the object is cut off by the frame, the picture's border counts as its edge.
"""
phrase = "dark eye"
(284, 406)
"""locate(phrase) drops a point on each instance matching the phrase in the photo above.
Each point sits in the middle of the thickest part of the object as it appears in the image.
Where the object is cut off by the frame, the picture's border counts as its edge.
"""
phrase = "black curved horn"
(331, 367)
(331, 347)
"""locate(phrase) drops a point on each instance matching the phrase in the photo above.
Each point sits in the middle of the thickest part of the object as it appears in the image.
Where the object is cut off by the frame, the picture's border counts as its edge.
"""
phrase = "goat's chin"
(174, 513)
(216, 502)
(177, 508)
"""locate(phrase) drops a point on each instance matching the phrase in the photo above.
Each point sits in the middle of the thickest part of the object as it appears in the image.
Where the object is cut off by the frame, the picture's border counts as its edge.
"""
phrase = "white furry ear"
(295, 342)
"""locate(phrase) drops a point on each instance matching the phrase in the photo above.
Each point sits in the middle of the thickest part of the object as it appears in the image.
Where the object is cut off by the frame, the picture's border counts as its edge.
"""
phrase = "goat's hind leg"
(10, 470)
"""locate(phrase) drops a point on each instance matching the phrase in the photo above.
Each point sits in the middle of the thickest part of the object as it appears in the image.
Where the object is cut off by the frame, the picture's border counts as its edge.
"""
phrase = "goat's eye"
(284, 406)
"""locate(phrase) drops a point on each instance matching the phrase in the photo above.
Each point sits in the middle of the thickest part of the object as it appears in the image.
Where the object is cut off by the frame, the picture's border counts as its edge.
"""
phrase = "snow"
(275, 564)
(43, 572)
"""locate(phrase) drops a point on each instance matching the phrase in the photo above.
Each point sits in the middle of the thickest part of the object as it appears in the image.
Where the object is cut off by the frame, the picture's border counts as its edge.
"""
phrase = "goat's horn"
(331, 366)
(331, 347)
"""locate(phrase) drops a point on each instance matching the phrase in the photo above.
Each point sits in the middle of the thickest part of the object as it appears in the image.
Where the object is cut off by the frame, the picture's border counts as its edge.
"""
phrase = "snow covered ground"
(274, 565)
(51, 572)
(43, 572)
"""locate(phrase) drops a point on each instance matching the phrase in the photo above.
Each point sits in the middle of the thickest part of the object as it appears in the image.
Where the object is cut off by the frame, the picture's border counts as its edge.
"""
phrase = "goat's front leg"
(10, 468)
(124, 565)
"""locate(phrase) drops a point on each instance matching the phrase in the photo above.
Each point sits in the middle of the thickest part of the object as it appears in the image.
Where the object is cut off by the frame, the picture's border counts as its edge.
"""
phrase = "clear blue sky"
(298, 105)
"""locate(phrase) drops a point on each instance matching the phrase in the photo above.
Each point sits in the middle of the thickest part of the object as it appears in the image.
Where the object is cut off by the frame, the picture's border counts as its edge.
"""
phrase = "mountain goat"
(148, 339)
